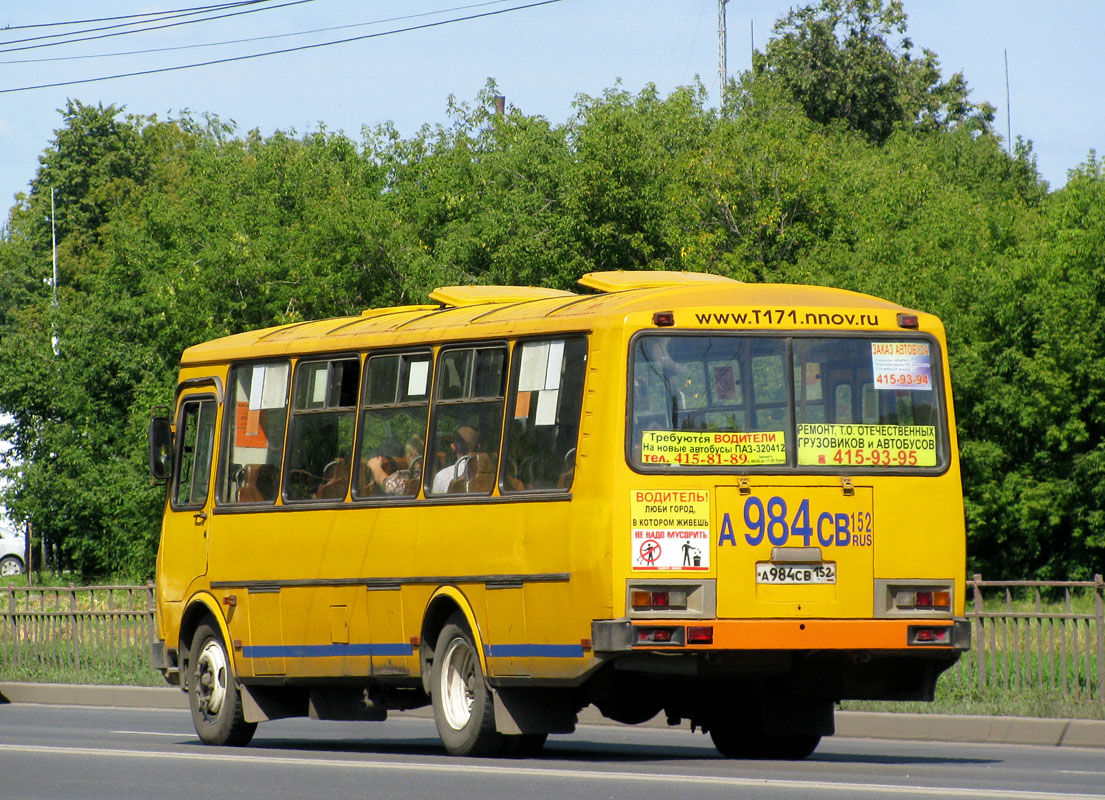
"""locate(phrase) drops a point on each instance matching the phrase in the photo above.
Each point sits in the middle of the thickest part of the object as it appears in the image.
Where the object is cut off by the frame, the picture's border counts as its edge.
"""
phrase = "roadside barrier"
(1046, 637)
(77, 634)
(1043, 637)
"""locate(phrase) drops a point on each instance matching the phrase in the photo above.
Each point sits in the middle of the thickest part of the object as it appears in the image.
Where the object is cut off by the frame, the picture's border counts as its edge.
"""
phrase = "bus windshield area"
(760, 401)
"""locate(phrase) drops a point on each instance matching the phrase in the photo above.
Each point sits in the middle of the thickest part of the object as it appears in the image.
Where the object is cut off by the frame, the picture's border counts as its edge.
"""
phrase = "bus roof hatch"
(621, 280)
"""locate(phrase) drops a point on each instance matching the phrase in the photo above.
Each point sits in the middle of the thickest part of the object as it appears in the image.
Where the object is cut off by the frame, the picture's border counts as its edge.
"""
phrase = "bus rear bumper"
(912, 635)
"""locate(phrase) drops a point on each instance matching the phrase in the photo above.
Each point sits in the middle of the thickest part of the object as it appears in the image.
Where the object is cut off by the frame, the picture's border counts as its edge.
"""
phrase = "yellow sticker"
(857, 445)
(670, 529)
(713, 449)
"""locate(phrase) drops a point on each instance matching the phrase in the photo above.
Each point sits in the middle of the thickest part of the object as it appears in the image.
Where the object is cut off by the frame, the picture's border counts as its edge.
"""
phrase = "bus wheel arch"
(201, 609)
(447, 604)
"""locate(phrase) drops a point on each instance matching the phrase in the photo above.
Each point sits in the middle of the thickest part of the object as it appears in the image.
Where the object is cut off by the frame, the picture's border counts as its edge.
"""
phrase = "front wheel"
(11, 565)
(463, 708)
(213, 693)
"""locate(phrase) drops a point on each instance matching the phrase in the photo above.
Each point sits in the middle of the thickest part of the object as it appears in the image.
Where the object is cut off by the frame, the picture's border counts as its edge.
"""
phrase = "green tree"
(837, 59)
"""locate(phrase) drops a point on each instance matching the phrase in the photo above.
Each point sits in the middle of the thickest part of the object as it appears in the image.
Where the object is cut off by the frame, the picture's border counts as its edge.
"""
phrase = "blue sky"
(541, 58)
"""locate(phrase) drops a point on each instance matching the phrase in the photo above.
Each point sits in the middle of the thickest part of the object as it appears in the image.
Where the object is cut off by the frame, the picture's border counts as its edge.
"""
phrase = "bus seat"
(335, 480)
(567, 470)
(481, 473)
(258, 483)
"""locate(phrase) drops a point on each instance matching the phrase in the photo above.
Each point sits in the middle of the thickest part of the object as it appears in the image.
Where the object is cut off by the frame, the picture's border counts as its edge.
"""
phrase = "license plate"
(795, 574)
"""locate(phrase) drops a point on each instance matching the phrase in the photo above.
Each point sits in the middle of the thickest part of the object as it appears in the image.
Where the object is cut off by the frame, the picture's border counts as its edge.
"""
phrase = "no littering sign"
(670, 529)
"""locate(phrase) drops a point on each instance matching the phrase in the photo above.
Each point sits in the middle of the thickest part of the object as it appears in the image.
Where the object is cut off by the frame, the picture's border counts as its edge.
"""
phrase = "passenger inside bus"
(463, 447)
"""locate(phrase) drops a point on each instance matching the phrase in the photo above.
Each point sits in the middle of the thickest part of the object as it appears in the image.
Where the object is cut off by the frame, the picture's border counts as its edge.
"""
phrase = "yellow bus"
(733, 504)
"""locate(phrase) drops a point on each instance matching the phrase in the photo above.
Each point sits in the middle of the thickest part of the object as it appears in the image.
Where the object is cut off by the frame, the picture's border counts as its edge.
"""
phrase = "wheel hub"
(211, 678)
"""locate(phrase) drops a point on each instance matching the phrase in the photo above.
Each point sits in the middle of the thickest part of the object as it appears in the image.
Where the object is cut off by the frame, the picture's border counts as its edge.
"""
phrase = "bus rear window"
(731, 401)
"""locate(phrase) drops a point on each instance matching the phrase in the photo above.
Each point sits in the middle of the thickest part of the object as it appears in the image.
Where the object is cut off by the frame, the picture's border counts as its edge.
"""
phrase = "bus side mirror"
(161, 449)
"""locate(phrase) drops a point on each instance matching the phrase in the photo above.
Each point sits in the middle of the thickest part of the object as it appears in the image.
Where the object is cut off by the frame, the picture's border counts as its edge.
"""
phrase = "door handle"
(200, 517)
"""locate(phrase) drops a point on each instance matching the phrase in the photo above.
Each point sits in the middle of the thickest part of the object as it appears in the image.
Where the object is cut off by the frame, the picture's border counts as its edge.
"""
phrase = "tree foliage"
(840, 62)
(841, 160)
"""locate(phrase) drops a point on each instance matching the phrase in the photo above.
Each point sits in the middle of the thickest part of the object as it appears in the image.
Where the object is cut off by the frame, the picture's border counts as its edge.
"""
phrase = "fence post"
(75, 626)
(1099, 619)
(151, 628)
(980, 633)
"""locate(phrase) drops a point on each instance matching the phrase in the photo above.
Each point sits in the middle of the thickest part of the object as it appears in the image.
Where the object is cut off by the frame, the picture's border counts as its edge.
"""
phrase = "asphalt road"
(70, 752)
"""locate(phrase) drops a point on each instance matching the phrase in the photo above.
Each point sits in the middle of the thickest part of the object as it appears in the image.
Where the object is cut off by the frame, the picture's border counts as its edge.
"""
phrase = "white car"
(13, 549)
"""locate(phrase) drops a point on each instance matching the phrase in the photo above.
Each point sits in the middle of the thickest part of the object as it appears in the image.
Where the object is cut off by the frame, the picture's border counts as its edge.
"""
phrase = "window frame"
(299, 362)
(178, 452)
(363, 407)
(791, 466)
(227, 430)
(437, 403)
(512, 397)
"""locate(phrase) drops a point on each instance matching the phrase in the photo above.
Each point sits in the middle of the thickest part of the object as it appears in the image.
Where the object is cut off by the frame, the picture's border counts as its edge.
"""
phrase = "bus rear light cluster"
(673, 635)
(659, 600)
(930, 635)
(927, 599)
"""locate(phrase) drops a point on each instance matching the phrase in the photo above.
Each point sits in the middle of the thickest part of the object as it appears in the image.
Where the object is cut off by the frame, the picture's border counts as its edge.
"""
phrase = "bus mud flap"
(533, 711)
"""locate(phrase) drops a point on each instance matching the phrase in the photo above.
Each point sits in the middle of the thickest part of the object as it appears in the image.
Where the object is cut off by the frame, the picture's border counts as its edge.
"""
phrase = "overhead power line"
(49, 59)
(316, 45)
(128, 16)
(139, 30)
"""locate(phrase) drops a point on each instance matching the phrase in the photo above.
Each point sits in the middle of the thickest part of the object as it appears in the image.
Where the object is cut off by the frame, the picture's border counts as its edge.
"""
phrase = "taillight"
(929, 635)
(700, 634)
(670, 635)
(659, 599)
(923, 599)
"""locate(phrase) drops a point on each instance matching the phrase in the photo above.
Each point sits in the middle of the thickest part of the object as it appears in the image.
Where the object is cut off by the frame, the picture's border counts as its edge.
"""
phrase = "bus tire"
(463, 708)
(524, 745)
(736, 741)
(213, 694)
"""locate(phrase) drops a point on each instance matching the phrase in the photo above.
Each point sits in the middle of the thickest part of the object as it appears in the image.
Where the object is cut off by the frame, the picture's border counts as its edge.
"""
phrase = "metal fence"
(1035, 636)
(85, 633)
(1047, 637)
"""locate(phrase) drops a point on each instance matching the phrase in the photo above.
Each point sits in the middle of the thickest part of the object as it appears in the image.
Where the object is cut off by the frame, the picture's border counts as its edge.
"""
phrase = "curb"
(849, 724)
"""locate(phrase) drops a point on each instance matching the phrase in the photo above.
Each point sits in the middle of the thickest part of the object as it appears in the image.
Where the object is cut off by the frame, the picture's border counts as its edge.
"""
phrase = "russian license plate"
(795, 574)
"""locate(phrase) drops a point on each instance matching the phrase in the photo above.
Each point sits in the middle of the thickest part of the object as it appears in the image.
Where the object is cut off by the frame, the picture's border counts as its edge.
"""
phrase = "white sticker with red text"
(670, 529)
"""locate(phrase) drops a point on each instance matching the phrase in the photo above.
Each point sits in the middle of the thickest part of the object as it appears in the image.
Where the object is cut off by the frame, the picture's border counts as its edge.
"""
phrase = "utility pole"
(1008, 110)
(54, 246)
(722, 74)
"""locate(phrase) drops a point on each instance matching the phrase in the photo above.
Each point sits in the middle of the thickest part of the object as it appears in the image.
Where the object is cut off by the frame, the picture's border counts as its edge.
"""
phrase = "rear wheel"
(736, 741)
(11, 565)
(524, 745)
(463, 707)
(213, 693)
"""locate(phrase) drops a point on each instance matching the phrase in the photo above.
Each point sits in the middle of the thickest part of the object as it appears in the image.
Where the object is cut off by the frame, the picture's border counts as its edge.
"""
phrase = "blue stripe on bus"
(404, 649)
(533, 650)
(327, 650)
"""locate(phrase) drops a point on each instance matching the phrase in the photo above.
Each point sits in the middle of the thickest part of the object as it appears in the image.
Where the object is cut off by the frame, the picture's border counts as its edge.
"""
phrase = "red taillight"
(700, 634)
(663, 319)
(908, 321)
(924, 600)
(930, 635)
(658, 636)
(658, 600)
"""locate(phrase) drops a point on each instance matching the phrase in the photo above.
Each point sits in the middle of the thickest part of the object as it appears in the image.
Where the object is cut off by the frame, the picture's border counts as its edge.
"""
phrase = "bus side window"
(546, 398)
(256, 411)
(197, 437)
(463, 446)
(393, 425)
(320, 434)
